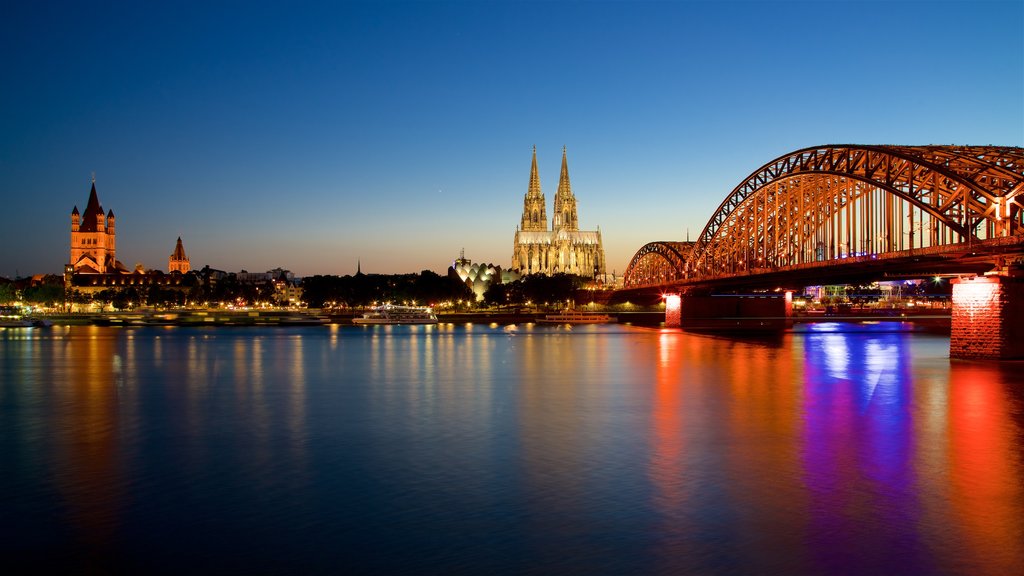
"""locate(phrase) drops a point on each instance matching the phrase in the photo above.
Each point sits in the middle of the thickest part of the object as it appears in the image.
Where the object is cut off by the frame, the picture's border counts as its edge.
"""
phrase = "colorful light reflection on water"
(839, 449)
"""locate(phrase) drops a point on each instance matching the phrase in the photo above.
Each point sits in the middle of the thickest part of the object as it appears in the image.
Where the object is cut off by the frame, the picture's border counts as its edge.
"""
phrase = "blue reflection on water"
(858, 447)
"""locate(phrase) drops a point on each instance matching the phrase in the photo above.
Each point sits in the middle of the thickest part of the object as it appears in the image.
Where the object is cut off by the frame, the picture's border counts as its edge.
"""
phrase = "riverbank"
(938, 319)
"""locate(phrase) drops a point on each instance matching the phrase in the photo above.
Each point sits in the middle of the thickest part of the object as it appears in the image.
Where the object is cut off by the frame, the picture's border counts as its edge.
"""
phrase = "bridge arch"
(657, 263)
(840, 201)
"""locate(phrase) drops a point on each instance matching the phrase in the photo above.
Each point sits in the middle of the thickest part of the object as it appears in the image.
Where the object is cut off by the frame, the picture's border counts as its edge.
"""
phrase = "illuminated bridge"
(847, 213)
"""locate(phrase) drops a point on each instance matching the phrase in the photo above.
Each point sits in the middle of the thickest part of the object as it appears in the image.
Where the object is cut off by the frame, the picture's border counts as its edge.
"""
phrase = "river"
(840, 448)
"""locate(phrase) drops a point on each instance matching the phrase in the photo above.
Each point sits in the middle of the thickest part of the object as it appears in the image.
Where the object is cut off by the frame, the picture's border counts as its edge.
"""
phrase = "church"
(94, 245)
(564, 248)
(93, 239)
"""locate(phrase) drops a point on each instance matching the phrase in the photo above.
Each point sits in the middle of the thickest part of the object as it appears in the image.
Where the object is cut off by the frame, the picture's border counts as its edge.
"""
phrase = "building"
(178, 262)
(562, 249)
(479, 277)
(93, 239)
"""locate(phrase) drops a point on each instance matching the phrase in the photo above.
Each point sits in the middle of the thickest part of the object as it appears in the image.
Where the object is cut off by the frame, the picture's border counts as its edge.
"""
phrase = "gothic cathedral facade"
(562, 249)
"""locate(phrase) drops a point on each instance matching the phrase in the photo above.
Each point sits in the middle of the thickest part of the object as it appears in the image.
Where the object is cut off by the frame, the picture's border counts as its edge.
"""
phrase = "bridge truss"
(658, 263)
(831, 203)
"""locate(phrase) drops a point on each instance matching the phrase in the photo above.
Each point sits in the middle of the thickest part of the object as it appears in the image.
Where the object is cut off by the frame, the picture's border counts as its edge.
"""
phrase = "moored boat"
(12, 317)
(393, 314)
(576, 317)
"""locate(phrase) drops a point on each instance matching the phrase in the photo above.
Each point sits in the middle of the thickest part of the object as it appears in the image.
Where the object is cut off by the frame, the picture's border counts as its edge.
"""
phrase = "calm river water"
(843, 449)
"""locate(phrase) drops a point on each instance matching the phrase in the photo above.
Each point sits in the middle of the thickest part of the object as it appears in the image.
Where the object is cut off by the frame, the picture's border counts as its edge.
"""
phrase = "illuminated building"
(178, 262)
(479, 277)
(564, 248)
(93, 239)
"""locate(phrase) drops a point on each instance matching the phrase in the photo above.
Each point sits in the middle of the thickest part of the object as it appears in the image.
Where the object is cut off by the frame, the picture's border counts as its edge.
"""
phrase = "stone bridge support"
(988, 318)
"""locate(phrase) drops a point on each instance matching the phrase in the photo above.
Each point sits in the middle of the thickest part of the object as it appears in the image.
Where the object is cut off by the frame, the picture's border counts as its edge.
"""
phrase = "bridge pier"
(988, 318)
(730, 312)
(673, 310)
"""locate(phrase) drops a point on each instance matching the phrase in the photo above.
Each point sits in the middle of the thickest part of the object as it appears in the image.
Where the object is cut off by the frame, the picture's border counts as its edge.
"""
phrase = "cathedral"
(563, 248)
(93, 239)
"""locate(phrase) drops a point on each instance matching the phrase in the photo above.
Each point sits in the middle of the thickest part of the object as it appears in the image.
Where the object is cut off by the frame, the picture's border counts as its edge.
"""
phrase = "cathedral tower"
(535, 217)
(564, 248)
(92, 238)
(178, 262)
(564, 210)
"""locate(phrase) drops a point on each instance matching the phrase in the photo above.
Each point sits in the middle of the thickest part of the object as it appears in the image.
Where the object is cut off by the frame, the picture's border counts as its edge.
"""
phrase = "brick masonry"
(988, 318)
(673, 310)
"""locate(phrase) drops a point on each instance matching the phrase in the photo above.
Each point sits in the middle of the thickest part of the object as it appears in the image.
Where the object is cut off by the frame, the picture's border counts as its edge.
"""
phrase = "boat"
(11, 317)
(393, 314)
(576, 317)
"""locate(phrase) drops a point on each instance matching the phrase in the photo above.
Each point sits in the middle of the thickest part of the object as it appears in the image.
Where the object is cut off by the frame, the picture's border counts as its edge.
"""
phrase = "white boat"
(392, 314)
(576, 317)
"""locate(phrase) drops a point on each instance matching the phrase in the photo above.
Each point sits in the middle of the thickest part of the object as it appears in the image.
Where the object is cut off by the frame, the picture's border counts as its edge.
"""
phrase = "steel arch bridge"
(839, 205)
(658, 263)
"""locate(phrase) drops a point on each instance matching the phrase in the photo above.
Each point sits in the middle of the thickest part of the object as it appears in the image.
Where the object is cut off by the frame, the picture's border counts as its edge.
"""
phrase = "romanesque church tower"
(93, 243)
(178, 262)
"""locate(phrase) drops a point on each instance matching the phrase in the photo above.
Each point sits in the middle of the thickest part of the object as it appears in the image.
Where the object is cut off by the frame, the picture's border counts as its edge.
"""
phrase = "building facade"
(563, 248)
(93, 239)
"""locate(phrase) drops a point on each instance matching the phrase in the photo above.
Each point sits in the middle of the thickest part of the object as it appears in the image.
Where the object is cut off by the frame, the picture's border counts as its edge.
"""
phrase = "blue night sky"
(310, 136)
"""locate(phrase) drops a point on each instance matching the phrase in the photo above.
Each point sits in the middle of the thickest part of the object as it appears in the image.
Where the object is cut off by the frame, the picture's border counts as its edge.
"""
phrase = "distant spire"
(534, 190)
(564, 217)
(359, 269)
(93, 211)
(179, 251)
(534, 213)
(563, 179)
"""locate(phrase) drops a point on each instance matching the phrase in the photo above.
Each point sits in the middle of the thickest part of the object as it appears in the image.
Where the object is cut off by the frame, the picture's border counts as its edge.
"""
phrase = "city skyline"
(397, 134)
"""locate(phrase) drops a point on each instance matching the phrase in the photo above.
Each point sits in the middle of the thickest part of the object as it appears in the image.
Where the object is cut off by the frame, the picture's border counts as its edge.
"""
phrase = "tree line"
(197, 289)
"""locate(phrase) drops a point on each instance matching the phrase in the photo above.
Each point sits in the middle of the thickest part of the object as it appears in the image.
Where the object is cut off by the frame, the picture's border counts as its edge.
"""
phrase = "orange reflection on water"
(86, 435)
(668, 437)
(667, 470)
(985, 468)
(732, 440)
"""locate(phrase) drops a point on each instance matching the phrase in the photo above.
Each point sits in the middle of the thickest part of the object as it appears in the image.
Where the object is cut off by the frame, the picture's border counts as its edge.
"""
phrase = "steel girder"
(959, 188)
(657, 263)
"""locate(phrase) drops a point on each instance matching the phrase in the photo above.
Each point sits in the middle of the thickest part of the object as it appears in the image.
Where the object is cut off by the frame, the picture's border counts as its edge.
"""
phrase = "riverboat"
(576, 317)
(393, 314)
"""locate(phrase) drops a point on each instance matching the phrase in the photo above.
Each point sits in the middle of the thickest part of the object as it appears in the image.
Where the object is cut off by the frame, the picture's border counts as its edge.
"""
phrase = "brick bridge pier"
(987, 315)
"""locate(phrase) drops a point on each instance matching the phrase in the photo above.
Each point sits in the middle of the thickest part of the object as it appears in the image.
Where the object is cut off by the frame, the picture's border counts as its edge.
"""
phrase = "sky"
(393, 135)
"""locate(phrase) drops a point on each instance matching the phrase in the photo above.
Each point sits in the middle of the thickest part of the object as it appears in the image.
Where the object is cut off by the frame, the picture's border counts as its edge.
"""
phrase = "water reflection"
(599, 449)
(985, 462)
(886, 463)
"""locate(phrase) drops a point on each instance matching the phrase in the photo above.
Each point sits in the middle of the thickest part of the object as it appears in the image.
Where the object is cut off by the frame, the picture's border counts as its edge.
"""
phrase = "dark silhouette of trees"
(425, 288)
(49, 292)
(555, 291)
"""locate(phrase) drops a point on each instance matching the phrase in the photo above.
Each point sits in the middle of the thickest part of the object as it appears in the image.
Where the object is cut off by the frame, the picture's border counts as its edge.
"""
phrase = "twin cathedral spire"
(563, 248)
(534, 209)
